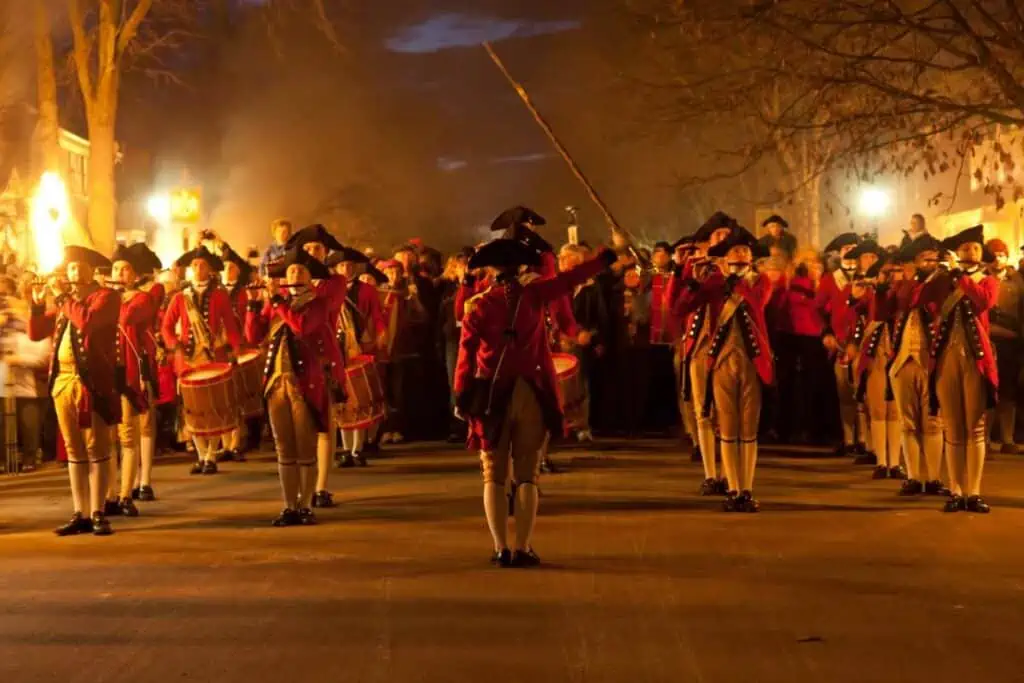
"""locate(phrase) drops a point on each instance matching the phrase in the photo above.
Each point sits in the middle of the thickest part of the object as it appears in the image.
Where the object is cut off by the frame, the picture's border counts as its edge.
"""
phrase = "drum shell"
(366, 404)
(209, 403)
(249, 383)
(571, 390)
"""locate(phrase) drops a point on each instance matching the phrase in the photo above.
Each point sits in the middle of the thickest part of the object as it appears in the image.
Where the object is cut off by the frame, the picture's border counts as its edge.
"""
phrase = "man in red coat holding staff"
(139, 310)
(83, 323)
(304, 375)
(506, 386)
(964, 375)
(209, 331)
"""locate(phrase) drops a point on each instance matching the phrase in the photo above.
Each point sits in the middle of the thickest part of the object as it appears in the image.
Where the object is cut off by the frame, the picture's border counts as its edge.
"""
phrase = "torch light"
(51, 211)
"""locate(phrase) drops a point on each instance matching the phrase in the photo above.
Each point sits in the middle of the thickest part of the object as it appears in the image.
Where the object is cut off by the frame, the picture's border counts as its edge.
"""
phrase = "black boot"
(747, 503)
(525, 559)
(881, 472)
(288, 517)
(502, 558)
(346, 461)
(897, 473)
(101, 525)
(197, 467)
(911, 487)
(709, 487)
(731, 502)
(126, 507)
(111, 507)
(210, 467)
(136, 493)
(976, 504)
(359, 459)
(323, 499)
(306, 517)
(956, 503)
(79, 524)
(146, 494)
(935, 488)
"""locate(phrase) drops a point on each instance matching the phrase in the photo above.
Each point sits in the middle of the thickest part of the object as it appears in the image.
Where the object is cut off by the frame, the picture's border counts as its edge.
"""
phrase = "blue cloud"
(449, 30)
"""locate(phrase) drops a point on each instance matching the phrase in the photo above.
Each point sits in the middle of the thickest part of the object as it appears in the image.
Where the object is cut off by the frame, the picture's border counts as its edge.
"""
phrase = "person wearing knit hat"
(1007, 330)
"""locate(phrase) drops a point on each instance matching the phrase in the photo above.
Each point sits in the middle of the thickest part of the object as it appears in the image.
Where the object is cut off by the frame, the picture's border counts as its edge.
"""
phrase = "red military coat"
(694, 302)
(368, 317)
(215, 307)
(973, 298)
(487, 356)
(136, 323)
(92, 324)
(753, 297)
(308, 332)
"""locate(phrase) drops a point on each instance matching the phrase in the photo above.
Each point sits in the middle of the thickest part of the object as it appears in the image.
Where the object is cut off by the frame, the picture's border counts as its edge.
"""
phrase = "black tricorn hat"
(843, 240)
(504, 253)
(141, 258)
(975, 234)
(718, 219)
(685, 241)
(775, 218)
(203, 253)
(298, 256)
(924, 242)
(374, 272)
(517, 215)
(313, 233)
(90, 257)
(866, 247)
(532, 239)
(739, 237)
(877, 266)
(346, 254)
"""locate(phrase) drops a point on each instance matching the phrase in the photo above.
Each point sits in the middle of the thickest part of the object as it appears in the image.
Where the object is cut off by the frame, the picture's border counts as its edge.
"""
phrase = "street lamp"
(874, 202)
(159, 208)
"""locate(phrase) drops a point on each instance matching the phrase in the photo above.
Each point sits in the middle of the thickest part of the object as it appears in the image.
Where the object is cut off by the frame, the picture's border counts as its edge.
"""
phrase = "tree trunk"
(102, 193)
(47, 126)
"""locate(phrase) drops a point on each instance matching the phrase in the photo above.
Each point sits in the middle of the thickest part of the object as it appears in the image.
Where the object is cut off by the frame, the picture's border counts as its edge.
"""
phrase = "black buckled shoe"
(197, 467)
(126, 507)
(210, 467)
(976, 504)
(525, 559)
(955, 503)
(101, 525)
(111, 507)
(227, 455)
(911, 487)
(747, 503)
(897, 473)
(323, 499)
(709, 487)
(306, 517)
(79, 524)
(731, 501)
(146, 494)
(502, 558)
(136, 493)
(722, 486)
(881, 472)
(935, 488)
(359, 459)
(346, 461)
(288, 517)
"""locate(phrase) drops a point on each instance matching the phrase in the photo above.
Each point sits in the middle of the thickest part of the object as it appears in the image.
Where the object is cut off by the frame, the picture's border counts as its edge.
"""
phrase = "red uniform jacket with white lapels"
(500, 344)
(139, 311)
(972, 297)
(92, 324)
(214, 304)
(303, 325)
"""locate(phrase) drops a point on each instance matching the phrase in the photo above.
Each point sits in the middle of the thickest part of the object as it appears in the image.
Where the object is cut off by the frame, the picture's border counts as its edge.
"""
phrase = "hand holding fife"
(57, 286)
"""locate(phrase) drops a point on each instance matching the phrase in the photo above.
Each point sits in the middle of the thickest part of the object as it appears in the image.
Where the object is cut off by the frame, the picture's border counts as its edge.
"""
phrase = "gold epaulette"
(471, 302)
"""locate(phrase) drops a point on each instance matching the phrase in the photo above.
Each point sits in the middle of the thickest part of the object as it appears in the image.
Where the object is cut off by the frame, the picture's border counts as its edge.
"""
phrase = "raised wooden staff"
(596, 198)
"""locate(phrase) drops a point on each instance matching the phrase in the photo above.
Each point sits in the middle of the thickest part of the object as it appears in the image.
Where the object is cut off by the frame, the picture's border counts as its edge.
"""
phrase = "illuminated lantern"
(186, 205)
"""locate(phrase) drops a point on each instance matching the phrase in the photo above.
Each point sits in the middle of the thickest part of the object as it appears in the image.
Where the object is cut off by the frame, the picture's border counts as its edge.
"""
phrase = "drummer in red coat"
(739, 360)
(236, 276)
(361, 330)
(304, 375)
(208, 333)
(83, 323)
(963, 372)
(506, 386)
(139, 310)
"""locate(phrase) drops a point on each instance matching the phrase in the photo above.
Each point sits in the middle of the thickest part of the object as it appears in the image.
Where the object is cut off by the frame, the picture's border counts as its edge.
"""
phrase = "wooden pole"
(612, 223)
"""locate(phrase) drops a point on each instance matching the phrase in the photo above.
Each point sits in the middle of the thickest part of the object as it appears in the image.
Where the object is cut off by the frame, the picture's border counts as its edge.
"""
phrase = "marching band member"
(506, 387)
(137, 431)
(739, 360)
(209, 331)
(873, 386)
(304, 374)
(318, 242)
(235, 278)
(833, 301)
(913, 303)
(83, 323)
(697, 314)
(360, 330)
(964, 375)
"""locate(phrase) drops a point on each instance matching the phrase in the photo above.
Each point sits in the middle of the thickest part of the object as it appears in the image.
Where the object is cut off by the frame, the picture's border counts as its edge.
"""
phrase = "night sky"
(412, 131)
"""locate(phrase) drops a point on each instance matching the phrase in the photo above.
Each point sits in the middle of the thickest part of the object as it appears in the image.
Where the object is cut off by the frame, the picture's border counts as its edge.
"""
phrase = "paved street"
(836, 580)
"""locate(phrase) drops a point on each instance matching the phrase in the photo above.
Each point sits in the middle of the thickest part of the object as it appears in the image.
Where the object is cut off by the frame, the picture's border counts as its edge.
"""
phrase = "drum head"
(564, 363)
(248, 356)
(206, 374)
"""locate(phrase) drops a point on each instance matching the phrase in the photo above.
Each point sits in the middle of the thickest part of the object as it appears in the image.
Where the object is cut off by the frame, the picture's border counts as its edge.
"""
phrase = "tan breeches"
(704, 427)
(922, 432)
(133, 428)
(737, 398)
(847, 392)
(295, 435)
(962, 400)
(878, 407)
(521, 441)
(90, 444)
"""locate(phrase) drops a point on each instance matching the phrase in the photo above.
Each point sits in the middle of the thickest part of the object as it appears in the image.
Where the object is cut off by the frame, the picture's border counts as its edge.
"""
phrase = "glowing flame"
(51, 211)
